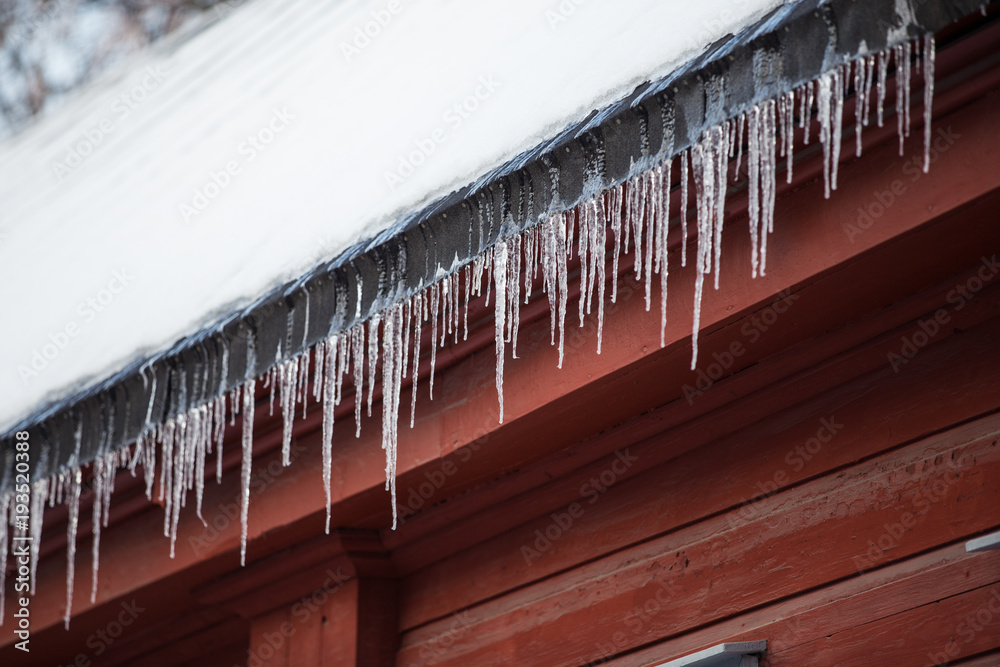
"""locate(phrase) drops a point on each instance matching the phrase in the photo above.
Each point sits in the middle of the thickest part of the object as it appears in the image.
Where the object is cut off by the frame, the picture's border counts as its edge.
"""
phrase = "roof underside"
(791, 46)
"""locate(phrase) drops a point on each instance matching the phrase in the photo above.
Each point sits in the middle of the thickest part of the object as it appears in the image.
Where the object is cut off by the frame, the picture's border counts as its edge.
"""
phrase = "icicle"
(302, 391)
(616, 229)
(703, 166)
(859, 103)
(741, 121)
(599, 250)
(220, 434)
(500, 278)
(468, 298)
(662, 252)
(201, 453)
(838, 119)
(719, 140)
(826, 84)
(417, 326)
(358, 364)
(929, 52)
(768, 171)
(753, 186)
(288, 377)
(684, 207)
(392, 354)
(902, 53)
(882, 62)
(514, 294)
(434, 298)
(39, 490)
(869, 62)
(790, 128)
(650, 199)
(329, 374)
(318, 372)
(248, 407)
(561, 223)
(445, 287)
(373, 325)
(98, 482)
(71, 528)
(636, 216)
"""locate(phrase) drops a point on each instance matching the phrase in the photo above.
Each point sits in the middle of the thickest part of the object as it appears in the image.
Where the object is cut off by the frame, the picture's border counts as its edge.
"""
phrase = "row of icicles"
(636, 215)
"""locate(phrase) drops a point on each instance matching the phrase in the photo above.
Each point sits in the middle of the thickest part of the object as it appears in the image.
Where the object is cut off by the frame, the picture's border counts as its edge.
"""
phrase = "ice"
(929, 51)
(392, 361)
(434, 300)
(663, 256)
(789, 125)
(330, 374)
(684, 207)
(500, 278)
(288, 376)
(358, 364)
(903, 54)
(418, 318)
(882, 63)
(39, 492)
(703, 161)
(860, 102)
(768, 177)
(75, 479)
(753, 187)
(615, 197)
(248, 408)
(649, 204)
(373, 329)
(598, 252)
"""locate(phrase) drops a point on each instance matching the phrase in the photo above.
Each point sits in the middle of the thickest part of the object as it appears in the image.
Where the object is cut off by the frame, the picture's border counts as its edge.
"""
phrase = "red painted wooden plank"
(876, 413)
(808, 537)
(935, 634)
(904, 585)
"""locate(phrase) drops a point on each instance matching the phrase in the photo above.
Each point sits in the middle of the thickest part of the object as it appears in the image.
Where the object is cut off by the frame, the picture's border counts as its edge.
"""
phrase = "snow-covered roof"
(221, 165)
(352, 152)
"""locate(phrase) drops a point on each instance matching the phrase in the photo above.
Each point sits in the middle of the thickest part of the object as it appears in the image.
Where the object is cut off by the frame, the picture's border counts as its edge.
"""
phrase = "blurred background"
(50, 47)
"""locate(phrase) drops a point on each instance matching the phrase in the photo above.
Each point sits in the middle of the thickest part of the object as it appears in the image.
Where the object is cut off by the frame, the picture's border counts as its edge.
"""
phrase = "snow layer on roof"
(213, 168)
